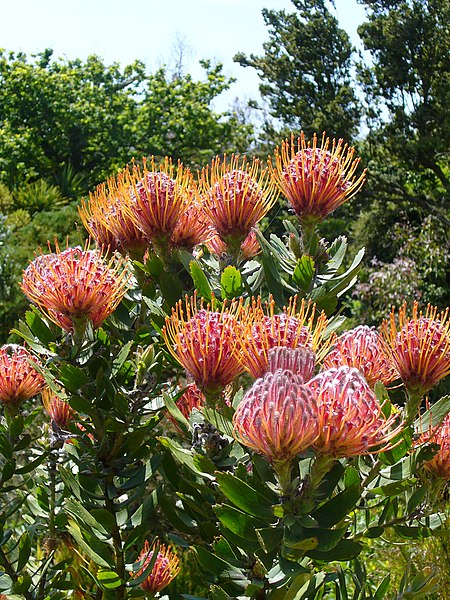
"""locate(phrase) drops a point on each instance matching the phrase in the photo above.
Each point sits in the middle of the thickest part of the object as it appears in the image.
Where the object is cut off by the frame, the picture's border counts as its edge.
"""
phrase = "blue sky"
(120, 31)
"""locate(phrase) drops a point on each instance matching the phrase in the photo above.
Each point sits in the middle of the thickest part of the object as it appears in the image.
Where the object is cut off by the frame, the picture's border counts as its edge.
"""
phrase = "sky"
(151, 30)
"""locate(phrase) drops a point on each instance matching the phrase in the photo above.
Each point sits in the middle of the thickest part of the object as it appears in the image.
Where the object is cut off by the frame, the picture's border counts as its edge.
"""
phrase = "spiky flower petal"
(237, 196)
(362, 348)
(264, 329)
(193, 228)
(165, 568)
(19, 380)
(277, 417)
(204, 342)
(351, 420)
(316, 179)
(301, 361)
(75, 286)
(419, 347)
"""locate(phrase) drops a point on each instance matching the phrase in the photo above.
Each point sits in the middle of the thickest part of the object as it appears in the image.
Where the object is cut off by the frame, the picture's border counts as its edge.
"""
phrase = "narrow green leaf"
(24, 551)
(200, 280)
(304, 272)
(231, 283)
(73, 378)
(245, 497)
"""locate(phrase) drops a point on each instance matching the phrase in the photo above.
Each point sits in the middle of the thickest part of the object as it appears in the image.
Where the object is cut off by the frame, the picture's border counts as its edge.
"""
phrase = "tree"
(306, 70)
(410, 48)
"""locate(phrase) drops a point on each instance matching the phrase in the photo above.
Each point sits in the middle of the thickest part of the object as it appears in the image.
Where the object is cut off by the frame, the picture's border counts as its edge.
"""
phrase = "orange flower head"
(277, 417)
(301, 361)
(58, 410)
(75, 286)
(237, 196)
(158, 198)
(19, 380)
(362, 348)
(294, 327)
(419, 347)
(165, 568)
(108, 220)
(191, 398)
(439, 465)
(204, 342)
(316, 180)
(193, 228)
(351, 420)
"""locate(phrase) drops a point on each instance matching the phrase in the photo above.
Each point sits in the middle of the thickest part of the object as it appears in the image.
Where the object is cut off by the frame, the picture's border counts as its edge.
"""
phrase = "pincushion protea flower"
(193, 228)
(74, 286)
(277, 417)
(158, 197)
(204, 342)
(294, 327)
(419, 347)
(107, 219)
(19, 380)
(439, 465)
(362, 348)
(351, 420)
(236, 196)
(58, 410)
(165, 568)
(249, 248)
(316, 180)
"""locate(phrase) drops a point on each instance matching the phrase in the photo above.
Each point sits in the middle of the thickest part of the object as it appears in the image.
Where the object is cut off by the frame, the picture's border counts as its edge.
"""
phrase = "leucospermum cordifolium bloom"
(363, 349)
(419, 346)
(316, 179)
(217, 409)
(19, 380)
(75, 286)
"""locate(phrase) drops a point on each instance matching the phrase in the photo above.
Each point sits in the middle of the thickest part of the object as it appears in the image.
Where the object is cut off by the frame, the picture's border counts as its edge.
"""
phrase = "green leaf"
(433, 416)
(108, 580)
(73, 378)
(183, 455)
(200, 280)
(269, 538)
(221, 568)
(338, 507)
(96, 550)
(231, 283)
(304, 272)
(24, 551)
(344, 550)
(245, 497)
(37, 326)
(238, 522)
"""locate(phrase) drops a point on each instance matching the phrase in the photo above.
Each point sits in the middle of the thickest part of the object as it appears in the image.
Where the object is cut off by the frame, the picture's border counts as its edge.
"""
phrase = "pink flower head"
(249, 248)
(75, 286)
(300, 361)
(19, 380)
(351, 421)
(277, 417)
(439, 465)
(193, 228)
(165, 568)
(58, 410)
(237, 196)
(316, 180)
(204, 342)
(362, 348)
(292, 328)
(419, 347)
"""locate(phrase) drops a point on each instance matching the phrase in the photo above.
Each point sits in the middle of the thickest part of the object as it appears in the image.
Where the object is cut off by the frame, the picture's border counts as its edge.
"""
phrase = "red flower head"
(75, 286)
(165, 568)
(249, 248)
(19, 380)
(362, 348)
(107, 219)
(204, 342)
(292, 328)
(419, 347)
(237, 196)
(301, 361)
(351, 421)
(158, 198)
(439, 465)
(316, 180)
(277, 417)
(58, 410)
